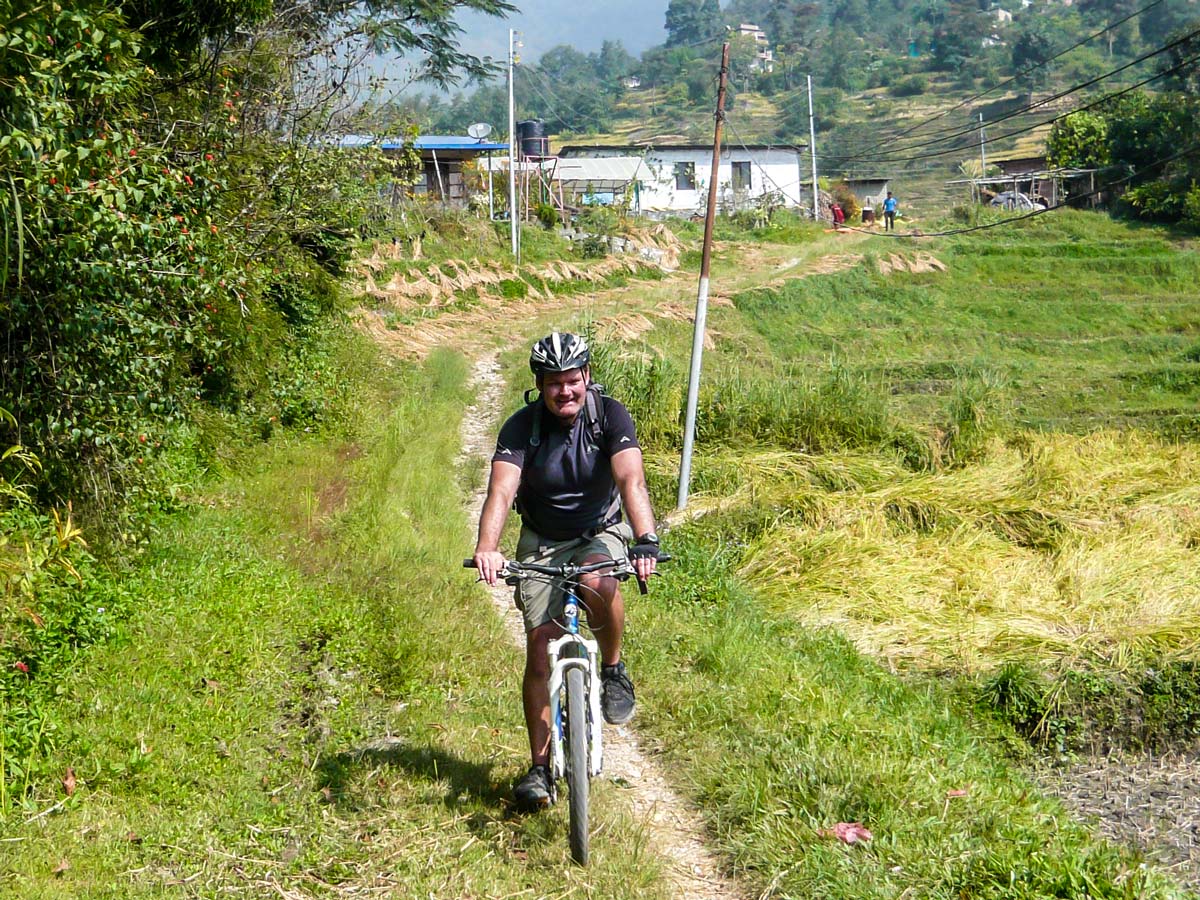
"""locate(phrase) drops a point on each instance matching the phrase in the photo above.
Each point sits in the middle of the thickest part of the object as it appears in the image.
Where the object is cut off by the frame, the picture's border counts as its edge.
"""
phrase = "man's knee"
(597, 585)
(598, 589)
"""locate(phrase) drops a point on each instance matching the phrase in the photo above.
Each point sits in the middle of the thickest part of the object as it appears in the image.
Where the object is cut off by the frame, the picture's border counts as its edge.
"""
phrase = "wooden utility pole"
(689, 428)
(982, 153)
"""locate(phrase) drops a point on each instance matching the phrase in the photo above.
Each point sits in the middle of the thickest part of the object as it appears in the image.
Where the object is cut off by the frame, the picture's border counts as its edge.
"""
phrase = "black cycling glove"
(644, 550)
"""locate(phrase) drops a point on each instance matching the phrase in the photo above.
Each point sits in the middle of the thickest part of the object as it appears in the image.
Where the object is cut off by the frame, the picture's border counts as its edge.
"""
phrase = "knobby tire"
(577, 763)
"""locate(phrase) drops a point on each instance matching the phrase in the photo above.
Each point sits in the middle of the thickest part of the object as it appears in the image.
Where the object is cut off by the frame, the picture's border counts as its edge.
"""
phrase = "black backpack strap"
(535, 434)
(594, 412)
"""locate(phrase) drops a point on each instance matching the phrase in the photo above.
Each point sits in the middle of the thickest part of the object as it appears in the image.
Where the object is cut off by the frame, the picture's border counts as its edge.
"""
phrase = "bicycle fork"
(573, 650)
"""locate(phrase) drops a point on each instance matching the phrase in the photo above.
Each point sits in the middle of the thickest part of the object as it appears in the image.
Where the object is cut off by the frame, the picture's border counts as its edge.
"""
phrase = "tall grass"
(1085, 323)
(836, 411)
(780, 731)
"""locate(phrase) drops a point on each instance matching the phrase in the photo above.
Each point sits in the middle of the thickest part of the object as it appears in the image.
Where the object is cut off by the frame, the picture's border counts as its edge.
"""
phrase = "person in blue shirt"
(889, 212)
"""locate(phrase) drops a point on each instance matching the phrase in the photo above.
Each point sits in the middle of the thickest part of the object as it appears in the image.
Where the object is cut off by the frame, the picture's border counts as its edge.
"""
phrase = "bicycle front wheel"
(577, 763)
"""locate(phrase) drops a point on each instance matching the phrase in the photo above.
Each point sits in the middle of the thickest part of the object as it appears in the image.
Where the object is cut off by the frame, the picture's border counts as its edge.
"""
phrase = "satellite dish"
(479, 130)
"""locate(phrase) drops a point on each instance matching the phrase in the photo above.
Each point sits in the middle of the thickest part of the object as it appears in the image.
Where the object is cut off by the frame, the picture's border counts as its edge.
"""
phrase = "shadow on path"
(337, 773)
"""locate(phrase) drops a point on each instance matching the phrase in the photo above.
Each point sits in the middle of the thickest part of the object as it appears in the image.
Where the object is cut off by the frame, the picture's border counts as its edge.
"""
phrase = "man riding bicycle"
(570, 460)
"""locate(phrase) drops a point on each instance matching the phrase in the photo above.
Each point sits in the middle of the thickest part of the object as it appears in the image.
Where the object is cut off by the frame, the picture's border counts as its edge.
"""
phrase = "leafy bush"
(846, 199)
(909, 87)
(1155, 200)
(547, 214)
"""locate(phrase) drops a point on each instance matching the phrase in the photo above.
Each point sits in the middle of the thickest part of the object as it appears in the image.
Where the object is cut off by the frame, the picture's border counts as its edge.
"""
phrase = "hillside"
(899, 89)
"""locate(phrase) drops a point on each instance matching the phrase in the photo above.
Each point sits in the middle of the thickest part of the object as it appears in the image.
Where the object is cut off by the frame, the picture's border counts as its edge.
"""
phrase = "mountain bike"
(576, 744)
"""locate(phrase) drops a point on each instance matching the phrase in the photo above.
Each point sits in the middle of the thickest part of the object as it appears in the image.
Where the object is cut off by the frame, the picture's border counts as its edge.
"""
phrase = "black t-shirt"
(567, 486)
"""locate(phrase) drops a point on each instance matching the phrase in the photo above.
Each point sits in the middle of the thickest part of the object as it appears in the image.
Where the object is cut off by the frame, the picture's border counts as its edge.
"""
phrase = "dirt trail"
(674, 827)
(1146, 801)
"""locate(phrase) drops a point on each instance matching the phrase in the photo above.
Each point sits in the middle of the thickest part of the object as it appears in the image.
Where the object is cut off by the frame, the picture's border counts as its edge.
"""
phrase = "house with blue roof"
(442, 158)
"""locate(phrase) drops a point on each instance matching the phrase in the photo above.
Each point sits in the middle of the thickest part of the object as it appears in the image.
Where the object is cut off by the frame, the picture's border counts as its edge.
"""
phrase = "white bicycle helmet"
(559, 352)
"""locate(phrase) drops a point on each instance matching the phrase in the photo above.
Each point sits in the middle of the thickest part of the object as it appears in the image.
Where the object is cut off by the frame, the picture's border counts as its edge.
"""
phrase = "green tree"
(691, 21)
(958, 29)
(613, 64)
(1031, 53)
(793, 24)
(164, 204)
(1079, 141)
(1165, 20)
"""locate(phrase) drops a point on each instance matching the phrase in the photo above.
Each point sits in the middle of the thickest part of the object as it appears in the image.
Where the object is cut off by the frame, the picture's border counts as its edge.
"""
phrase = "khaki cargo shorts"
(541, 602)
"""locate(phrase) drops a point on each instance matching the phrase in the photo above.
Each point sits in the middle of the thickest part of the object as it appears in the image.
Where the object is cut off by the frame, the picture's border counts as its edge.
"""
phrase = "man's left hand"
(644, 558)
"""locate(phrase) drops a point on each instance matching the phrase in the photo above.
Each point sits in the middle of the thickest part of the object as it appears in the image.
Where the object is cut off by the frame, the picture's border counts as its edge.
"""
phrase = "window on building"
(741, 176)
(685, 176)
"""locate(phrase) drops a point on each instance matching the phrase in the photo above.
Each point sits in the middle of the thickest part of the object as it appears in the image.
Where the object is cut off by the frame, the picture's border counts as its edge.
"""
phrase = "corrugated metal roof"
(447, 142)
(610, 169)
(650, 147)
(423, 142)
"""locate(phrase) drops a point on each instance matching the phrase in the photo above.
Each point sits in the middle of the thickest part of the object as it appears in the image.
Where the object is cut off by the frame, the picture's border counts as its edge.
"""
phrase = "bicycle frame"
(574, 650)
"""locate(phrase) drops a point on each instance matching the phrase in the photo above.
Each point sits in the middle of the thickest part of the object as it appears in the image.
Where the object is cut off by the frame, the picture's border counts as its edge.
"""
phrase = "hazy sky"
(544, 24)
(584, 24)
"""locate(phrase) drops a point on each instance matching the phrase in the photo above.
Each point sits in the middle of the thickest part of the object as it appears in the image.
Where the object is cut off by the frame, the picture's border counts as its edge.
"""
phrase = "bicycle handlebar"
(570, 570)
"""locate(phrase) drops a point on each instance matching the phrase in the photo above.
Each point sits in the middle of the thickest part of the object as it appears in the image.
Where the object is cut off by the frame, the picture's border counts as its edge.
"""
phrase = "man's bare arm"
(629, 472)
(502, 488)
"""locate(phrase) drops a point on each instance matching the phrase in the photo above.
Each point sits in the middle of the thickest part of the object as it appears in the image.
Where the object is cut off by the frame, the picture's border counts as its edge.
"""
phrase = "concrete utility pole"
(689, 428)
(513, 222)
(812, 151)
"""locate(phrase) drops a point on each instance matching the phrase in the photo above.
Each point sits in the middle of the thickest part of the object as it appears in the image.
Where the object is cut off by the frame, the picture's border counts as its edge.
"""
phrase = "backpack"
(593, 416)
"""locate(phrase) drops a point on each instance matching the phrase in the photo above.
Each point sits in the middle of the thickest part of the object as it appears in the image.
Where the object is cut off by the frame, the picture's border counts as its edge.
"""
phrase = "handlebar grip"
(468, 563)
(642, 588)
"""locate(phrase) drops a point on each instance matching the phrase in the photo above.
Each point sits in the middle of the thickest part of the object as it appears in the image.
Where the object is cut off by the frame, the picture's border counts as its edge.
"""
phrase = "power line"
(1020, 74)
(1099, 102)
(561, 103)
(1187, 151)
(1014, 113)
(1062, 204)
(765, 174)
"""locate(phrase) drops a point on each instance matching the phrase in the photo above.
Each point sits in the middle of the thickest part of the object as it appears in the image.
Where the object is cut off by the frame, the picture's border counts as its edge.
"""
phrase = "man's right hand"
(489, 563)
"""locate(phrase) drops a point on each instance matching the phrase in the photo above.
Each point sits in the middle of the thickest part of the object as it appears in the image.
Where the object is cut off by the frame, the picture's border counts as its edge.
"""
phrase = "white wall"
(770, 170)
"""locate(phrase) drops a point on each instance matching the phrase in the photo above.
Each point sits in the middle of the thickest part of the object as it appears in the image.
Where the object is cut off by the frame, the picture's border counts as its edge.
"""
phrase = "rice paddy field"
(985, 471)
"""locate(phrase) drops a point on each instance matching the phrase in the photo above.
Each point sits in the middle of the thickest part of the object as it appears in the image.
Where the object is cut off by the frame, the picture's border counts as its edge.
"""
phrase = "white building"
(674, 178)
(764, 58)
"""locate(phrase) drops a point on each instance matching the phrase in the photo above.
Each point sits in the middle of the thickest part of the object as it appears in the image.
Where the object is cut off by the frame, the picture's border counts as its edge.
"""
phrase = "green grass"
(300, 706)
(312, 696)
(1088, 322)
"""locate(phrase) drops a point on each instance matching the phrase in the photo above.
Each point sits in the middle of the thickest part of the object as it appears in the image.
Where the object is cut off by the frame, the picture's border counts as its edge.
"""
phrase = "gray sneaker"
(535, 791)
(616, 694)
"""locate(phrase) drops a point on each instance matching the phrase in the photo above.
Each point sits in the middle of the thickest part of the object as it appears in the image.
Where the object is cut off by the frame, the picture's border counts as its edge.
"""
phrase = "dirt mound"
(834, 262)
